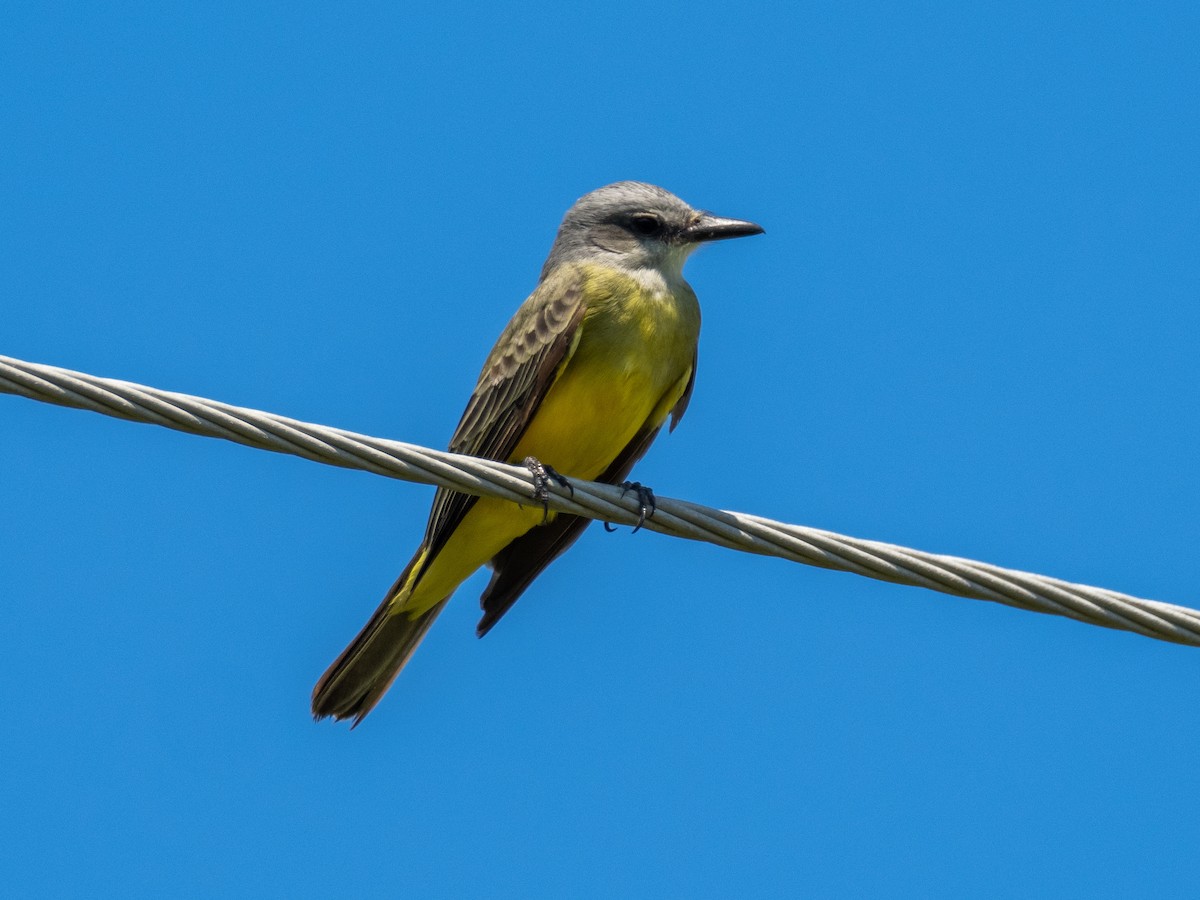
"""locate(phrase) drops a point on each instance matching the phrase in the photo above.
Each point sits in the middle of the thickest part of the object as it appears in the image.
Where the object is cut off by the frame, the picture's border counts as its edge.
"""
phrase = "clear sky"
(971, 327)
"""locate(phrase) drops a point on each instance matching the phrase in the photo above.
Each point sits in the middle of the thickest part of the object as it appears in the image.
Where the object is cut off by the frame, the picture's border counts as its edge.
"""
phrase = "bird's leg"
(646, 503)
(542, 476)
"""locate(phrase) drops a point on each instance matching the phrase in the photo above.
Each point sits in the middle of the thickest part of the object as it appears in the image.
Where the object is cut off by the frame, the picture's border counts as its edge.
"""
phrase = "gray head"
(631, 225)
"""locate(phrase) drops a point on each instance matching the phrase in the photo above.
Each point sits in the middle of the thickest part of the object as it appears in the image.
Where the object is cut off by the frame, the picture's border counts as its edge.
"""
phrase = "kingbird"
(578, 385)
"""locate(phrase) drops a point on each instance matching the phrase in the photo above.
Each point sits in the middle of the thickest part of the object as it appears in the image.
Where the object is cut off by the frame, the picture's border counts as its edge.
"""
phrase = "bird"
(578, 385)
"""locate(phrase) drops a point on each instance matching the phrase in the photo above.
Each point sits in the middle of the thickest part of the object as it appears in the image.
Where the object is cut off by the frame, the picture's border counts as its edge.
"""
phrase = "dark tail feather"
(515, 567)
(366, 669)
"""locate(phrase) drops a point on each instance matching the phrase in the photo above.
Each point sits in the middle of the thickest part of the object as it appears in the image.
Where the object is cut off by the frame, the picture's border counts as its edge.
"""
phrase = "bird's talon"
(646, 502)
(543, 475)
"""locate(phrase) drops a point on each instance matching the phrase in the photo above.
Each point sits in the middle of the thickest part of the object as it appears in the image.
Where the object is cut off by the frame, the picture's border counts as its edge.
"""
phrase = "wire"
(679, 518)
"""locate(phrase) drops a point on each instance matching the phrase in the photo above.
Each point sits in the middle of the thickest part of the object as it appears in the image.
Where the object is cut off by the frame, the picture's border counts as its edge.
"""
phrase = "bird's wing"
(517, 375)
(685, 398)
(517, 565)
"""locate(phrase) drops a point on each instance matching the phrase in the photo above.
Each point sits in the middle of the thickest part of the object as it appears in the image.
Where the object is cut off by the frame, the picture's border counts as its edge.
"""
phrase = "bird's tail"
(366, 669)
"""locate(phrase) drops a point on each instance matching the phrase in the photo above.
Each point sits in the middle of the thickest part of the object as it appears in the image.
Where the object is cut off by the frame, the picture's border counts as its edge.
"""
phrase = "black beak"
(715, 228)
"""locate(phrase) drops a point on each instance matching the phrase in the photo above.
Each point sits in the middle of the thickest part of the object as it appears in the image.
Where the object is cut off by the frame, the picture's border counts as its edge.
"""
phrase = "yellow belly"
(589, 416)
(579, 430)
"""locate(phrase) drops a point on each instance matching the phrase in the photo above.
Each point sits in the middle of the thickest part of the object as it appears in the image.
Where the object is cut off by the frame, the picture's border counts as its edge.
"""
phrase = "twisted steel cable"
(753, 534)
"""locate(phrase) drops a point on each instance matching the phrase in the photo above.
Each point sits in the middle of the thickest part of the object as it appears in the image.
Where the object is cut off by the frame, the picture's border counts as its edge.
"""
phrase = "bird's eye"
(646, 224)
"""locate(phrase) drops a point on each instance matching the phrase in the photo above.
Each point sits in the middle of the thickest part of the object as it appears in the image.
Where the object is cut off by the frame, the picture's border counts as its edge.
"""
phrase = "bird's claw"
(646, 503)
(544, 475)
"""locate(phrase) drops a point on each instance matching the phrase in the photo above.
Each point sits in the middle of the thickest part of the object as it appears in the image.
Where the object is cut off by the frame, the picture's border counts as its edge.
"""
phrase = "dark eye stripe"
(646, 224)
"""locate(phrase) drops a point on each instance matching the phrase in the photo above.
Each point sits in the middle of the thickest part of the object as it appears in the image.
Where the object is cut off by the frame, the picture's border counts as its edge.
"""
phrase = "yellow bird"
(578, 385)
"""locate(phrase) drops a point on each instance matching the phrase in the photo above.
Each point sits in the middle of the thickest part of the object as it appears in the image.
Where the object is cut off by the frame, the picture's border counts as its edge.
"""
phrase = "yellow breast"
(630, 365)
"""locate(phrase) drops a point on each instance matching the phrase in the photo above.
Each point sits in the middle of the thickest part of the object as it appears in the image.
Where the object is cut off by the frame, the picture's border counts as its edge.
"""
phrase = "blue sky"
(971, 327)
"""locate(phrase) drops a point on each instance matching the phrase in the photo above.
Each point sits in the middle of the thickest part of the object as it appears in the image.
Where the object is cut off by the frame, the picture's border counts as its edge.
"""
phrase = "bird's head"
(632, 225)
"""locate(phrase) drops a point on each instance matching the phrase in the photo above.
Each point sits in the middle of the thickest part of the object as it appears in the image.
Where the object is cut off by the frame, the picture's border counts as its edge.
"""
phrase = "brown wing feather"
(685, 398)
(515, 378)
(517, 565)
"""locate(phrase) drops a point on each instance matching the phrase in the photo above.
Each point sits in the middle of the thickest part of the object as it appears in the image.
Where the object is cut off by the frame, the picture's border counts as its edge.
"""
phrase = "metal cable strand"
(337, 447)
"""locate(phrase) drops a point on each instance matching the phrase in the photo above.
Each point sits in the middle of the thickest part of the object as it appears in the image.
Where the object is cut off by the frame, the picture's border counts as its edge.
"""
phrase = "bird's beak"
(715, 228)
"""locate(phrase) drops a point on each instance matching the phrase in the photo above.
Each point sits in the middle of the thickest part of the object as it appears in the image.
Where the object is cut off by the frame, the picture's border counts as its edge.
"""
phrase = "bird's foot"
(543, 476)
(646, 504)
